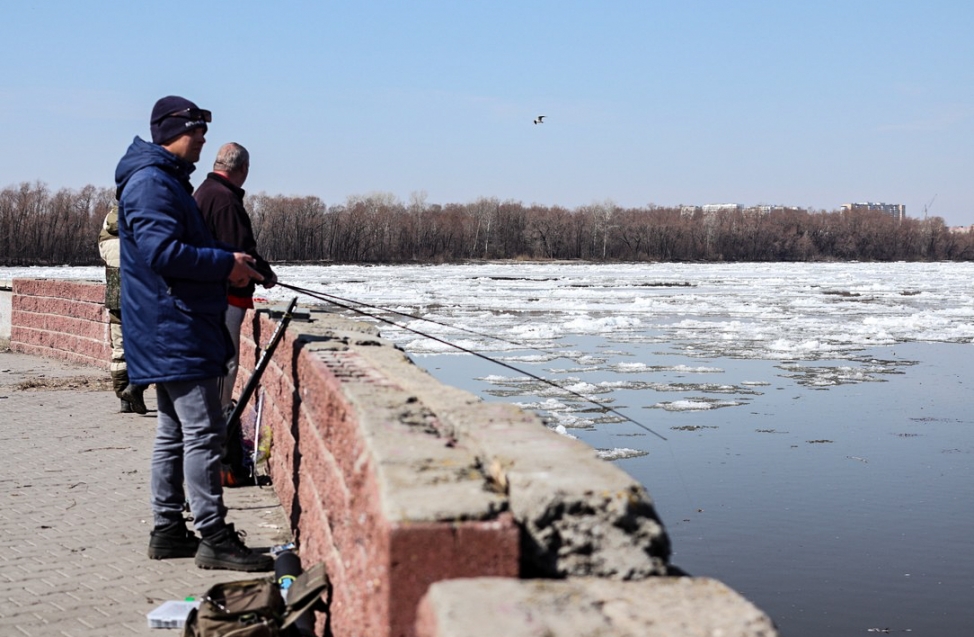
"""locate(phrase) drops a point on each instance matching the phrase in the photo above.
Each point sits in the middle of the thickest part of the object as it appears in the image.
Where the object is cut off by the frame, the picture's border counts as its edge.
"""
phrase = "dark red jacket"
(223, 210)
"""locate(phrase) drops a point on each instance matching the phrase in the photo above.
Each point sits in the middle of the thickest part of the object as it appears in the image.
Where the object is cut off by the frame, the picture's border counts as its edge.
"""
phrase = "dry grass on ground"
(66, 382)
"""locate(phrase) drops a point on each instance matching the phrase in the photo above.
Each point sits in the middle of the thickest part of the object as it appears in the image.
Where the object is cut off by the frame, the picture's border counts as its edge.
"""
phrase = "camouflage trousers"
(117, 367)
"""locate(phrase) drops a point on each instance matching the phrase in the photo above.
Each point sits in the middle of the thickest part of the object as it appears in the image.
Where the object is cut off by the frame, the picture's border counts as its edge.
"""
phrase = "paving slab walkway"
(74, 508)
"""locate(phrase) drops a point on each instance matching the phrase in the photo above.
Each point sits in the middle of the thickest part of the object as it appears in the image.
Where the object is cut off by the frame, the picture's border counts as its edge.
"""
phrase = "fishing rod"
(321, 296)
(405, 315)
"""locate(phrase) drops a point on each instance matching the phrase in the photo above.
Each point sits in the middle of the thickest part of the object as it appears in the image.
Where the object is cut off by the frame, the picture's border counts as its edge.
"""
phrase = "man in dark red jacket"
(220, 199)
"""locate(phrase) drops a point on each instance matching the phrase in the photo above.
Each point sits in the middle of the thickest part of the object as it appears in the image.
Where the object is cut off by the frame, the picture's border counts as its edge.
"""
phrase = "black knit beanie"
(173, 116)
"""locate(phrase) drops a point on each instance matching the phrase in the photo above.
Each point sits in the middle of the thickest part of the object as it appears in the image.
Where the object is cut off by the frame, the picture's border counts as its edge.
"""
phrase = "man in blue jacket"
(173, 305)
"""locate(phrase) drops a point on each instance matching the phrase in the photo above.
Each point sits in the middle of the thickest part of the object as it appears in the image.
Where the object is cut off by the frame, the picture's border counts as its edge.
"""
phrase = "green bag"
(255, 607)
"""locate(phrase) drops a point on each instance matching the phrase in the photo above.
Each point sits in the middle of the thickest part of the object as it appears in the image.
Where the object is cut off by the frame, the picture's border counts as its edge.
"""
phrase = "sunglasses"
(192, 114)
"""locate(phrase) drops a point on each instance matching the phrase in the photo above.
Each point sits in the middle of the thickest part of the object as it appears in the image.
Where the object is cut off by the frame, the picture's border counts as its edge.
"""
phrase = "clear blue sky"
(810, 104)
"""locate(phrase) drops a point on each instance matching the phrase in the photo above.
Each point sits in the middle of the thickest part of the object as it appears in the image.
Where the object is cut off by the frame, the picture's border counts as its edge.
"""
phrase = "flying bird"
(540, 119)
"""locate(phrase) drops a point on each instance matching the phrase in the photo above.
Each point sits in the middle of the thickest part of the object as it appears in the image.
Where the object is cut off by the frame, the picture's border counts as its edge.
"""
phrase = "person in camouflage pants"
(108, 246)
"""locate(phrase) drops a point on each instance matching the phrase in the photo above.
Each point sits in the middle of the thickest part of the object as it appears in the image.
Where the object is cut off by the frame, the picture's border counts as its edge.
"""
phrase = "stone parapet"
(60, 319)
(372, 483)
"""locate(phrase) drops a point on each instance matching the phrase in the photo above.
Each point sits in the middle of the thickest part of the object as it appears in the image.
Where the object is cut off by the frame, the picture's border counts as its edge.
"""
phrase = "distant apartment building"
(720, 208)
(766, 209)
(711, 208)
(894, 210)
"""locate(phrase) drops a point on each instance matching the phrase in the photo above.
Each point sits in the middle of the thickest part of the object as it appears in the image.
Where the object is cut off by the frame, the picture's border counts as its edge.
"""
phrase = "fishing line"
(343, 303)
(331, 299)
(411, 316)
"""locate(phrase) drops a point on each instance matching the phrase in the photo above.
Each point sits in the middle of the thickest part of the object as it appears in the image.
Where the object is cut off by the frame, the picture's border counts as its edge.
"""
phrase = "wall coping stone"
(655, 607)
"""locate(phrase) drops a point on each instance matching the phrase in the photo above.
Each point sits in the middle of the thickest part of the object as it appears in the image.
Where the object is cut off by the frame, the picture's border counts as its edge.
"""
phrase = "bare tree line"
(41, 227)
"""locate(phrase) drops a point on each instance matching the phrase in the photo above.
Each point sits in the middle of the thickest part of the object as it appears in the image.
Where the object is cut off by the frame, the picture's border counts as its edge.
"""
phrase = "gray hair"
(231, 157)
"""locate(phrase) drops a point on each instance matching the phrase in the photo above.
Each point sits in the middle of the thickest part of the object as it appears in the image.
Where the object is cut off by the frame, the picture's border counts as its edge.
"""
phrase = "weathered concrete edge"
(655, 607)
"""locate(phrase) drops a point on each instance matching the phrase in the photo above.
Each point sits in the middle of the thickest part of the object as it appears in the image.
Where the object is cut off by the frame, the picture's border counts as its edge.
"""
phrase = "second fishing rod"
(356, 307)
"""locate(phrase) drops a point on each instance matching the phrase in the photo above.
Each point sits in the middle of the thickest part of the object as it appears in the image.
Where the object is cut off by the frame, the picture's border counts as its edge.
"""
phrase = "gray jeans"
(189, 442)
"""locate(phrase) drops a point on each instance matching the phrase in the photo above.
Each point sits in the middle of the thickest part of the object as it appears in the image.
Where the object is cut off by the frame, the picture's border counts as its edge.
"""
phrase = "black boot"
(172, 540)
(120, 380)
(125, 407)
(133, 395)
(225, 549)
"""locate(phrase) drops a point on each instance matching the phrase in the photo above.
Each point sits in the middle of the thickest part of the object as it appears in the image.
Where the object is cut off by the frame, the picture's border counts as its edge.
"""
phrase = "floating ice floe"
(621, 453)
(695, 405)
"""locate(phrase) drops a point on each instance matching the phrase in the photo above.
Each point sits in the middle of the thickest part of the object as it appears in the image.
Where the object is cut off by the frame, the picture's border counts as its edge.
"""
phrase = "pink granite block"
(424, 553)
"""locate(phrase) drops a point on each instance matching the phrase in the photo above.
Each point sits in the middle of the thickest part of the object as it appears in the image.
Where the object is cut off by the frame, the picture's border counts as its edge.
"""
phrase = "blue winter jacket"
(174, 274)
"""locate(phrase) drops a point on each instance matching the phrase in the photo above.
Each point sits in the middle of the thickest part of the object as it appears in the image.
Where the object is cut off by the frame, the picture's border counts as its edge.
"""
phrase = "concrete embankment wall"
(437, 515)
(60, 319)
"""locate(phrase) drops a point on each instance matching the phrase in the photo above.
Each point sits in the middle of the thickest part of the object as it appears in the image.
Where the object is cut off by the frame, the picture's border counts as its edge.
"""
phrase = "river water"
(819, 442)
